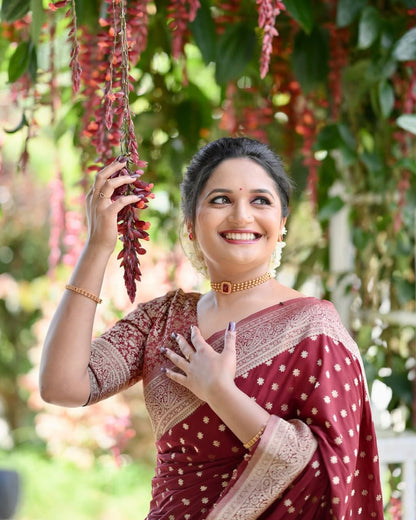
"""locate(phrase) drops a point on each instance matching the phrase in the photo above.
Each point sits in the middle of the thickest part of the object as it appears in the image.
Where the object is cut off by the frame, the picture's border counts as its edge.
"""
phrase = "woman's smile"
(241, 236)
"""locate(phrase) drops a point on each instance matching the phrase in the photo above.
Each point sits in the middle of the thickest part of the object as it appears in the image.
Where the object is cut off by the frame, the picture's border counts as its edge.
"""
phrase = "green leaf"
(203, 29)
(332, 206)
(19, 61)
(12, 10)
(328, 138)
(407, 122)
(23, 122)
(405, 48)
(347, 137)
(310, 58)
(88, 13)
(368, 27)
(302, 12)
(235, 50)
(347, 11)
(38, 19)
(386, 98)
(33, 62)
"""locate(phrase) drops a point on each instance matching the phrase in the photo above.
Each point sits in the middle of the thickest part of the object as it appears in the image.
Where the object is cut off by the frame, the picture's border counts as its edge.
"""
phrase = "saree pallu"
(317, 458)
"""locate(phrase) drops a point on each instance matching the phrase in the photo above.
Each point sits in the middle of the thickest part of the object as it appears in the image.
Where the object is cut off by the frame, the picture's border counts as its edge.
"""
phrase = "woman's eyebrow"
(225, 190)
(218, 190)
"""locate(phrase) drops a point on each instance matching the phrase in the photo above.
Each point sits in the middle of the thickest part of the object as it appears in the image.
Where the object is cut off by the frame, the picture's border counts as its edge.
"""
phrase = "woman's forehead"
(240, 173)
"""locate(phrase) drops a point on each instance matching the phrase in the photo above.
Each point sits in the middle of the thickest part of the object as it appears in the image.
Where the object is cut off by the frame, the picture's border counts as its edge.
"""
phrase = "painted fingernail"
(162, 350)
(174, 336)
(163, 369)
(122, 158)
(231, 326)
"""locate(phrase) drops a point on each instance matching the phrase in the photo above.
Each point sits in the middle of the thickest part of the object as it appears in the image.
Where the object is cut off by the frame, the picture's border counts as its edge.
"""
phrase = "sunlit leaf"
(407, 122)
(12, 10)
(369, 27)
(386, 98)
(405, 48)
(348, 10)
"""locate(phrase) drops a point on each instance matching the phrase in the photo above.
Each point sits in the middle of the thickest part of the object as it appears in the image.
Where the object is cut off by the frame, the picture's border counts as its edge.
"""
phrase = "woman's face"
(238, 218)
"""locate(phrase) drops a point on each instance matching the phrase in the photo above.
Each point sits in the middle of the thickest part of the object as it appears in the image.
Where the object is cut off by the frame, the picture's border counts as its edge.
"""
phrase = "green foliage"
(310, 58)
(12, 10)
(52, 488)
(234, 51)
(302, 12)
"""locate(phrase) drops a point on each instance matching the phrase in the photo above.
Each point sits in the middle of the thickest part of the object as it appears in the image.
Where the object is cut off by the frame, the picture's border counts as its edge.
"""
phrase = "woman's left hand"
(202, 370)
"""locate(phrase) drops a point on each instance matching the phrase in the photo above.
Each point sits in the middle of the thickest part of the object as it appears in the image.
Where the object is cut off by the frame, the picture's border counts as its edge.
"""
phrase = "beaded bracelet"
(83, 292)
(253, 441)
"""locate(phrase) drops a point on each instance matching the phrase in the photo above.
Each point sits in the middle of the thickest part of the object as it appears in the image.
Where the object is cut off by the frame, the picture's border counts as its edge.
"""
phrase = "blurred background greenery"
(337, 100)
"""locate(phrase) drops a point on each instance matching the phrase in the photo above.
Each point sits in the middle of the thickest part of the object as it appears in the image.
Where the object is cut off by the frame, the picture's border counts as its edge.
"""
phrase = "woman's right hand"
(102, 211)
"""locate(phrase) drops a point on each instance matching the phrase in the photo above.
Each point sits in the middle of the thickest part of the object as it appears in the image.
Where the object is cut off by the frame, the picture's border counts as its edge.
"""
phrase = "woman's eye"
(221, 199)
(261, 200)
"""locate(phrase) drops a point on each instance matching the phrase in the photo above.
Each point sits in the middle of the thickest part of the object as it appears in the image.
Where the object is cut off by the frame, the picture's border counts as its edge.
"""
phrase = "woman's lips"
(246, 236)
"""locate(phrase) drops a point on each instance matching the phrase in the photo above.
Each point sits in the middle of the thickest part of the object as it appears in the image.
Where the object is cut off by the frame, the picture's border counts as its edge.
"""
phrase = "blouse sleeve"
(116, 360)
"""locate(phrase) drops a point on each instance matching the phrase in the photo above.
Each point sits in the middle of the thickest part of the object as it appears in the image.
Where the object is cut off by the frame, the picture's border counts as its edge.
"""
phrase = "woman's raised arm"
(64, 376)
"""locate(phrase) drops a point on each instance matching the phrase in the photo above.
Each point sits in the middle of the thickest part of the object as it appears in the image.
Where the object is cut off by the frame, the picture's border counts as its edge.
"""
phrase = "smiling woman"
(243, 384)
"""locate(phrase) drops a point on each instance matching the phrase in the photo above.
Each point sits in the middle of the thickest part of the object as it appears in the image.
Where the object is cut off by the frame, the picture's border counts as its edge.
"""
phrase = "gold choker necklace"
(229, 287)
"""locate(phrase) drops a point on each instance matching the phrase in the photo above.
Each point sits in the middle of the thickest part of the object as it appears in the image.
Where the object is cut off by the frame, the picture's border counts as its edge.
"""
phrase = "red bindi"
(241, 189)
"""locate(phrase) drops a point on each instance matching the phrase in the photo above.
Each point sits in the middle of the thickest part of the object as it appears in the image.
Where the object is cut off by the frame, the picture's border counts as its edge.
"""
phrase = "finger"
(175, 376)
(229, 338)
(196, 337)
(186, 349)
(107, 189)
(176, 359)
(106, 172)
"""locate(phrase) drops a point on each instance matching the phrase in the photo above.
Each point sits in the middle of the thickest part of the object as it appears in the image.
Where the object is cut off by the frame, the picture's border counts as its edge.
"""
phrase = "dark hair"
(211, 155)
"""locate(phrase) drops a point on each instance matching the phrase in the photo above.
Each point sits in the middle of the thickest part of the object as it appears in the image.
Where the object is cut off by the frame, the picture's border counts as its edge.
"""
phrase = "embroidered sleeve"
(116, 360)
(117, 356)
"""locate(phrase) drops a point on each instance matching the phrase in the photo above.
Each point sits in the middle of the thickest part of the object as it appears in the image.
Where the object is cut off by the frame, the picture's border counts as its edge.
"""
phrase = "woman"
(256, 393)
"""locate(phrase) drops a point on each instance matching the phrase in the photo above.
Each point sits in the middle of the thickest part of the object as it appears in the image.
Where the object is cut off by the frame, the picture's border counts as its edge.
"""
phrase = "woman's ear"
(282, 226)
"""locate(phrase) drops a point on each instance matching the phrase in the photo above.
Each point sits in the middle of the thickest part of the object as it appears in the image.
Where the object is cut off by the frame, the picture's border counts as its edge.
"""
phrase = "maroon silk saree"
(317, 458)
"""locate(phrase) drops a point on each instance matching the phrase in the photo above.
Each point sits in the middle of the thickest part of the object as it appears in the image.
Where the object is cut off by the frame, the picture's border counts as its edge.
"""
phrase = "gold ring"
(188, 357)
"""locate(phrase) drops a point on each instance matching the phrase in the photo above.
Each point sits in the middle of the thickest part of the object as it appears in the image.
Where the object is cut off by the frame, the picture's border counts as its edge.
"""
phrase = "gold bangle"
(253, 441)
(83, 292)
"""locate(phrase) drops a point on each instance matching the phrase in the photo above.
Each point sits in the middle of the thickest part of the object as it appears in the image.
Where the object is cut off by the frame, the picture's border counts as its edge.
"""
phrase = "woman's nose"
(241, 213)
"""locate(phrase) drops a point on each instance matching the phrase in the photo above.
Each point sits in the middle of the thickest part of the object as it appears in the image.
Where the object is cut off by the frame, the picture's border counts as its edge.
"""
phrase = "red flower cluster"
(180, 13)
(268, 11)
(104, 85)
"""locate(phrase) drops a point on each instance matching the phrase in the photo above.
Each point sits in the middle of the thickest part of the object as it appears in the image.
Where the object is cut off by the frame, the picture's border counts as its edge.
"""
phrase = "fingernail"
(163, 369)
(231, 326)
(162, 350)
(174, 335)
(192, 329)
(122, 158)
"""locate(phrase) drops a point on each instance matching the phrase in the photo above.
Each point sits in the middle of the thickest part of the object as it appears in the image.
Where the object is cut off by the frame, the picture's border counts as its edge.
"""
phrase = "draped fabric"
(317, 458)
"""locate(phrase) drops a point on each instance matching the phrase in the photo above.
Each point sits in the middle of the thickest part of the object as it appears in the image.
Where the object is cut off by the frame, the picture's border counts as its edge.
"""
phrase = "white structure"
(401, 449)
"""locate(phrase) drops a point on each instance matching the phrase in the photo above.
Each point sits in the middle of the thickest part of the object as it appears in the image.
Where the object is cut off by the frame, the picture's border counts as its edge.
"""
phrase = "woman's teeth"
(240, 236)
